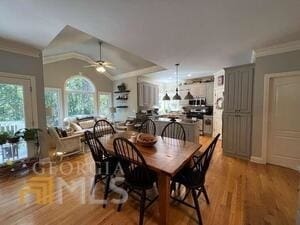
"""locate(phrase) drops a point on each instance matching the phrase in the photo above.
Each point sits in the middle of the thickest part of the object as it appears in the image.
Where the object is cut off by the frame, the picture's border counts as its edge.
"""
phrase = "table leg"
(164, 198)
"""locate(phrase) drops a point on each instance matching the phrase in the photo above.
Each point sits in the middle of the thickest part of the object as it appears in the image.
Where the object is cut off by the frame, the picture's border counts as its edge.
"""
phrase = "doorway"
(16, 111)
(283, 124)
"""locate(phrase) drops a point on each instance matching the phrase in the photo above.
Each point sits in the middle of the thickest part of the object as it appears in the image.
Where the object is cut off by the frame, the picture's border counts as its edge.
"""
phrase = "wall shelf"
(122, 107)
(118, 92)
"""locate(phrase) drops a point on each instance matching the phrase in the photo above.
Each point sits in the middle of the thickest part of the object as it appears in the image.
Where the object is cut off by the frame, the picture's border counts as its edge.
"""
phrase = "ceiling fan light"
(166, 97)
(189, 96)
(100, 69)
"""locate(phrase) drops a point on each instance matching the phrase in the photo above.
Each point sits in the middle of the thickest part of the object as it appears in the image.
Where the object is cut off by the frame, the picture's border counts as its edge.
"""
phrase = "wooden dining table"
(166, 157)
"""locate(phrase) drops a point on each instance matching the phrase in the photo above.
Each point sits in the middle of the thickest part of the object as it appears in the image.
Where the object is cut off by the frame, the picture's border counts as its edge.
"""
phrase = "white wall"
(218, 92)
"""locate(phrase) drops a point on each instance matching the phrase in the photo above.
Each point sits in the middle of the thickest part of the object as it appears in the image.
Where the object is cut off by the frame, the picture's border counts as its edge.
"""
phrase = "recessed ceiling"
(202, 35)
(73, 40)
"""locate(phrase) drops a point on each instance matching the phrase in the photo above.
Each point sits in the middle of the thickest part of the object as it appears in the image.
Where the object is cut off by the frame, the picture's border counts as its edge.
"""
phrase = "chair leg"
(106, 189)
(94, 184)
(197, 206)
(142, 207)
(205, 194)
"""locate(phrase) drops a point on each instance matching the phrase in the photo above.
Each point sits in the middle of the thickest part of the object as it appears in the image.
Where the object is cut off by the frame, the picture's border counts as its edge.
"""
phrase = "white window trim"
(61, 111)
(74, 91)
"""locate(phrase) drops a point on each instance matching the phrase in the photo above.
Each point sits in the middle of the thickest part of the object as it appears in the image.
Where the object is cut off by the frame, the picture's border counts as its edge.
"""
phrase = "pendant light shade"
(189, 96)
(177, 96)
(166, 97)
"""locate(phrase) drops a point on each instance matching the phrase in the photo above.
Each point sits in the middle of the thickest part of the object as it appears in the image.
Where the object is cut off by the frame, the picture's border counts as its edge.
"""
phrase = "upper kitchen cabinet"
(238, 89)
(148, 94)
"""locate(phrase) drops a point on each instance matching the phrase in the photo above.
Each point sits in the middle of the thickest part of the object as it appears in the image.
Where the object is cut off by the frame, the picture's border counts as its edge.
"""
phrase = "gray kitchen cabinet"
(210, 93)
(237, 134)
(238, 89)
(237, 114)
(148, 94)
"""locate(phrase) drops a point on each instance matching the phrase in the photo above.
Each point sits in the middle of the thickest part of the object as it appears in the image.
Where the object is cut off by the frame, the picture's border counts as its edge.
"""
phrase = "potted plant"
(3, 137)
(12, 138)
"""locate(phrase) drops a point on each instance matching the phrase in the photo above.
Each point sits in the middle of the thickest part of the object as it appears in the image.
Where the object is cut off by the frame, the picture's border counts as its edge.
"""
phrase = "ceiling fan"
(101, 65)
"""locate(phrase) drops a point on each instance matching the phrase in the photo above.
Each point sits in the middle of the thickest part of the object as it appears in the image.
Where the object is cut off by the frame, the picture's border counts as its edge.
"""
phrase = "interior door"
(15, 104)
(284, 123)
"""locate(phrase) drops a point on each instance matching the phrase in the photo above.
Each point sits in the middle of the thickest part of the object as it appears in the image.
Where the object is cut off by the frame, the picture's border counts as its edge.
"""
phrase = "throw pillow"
(75, 127)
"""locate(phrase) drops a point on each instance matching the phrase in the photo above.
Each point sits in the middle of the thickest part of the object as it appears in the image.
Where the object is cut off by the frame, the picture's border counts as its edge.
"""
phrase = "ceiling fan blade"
(107, 63)
(110, 67)
(90, 66)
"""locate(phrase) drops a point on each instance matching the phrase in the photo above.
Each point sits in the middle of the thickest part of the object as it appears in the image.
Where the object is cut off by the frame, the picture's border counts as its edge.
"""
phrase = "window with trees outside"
(53, 106)
(104, 103)
(80, 96)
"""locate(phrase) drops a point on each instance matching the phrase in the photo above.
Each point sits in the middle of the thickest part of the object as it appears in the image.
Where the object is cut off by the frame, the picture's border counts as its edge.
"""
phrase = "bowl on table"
(146, 140)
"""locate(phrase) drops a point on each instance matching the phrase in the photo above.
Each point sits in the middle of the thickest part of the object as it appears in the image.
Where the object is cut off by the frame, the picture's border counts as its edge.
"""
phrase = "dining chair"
(138, 177)
(148, 126)
(174, 130)
(105, 164)
(103, 127)
(193, 178)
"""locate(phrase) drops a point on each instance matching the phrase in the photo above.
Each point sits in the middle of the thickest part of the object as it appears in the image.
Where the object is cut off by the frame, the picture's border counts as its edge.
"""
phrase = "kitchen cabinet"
(148, 94)
(191, 129)
(238, 89)
(237, 134)
(237, 114)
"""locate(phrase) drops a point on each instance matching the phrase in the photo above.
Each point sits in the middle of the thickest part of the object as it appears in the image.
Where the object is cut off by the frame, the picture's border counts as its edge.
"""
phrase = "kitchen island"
(191, 128)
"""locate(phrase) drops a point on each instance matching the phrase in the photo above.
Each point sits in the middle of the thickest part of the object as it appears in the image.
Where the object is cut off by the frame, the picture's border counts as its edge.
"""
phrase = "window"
(80, 96)
(104, 103)
(53, 106)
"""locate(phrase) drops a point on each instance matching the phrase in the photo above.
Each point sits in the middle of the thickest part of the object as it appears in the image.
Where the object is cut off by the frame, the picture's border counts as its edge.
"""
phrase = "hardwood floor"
(241, 193)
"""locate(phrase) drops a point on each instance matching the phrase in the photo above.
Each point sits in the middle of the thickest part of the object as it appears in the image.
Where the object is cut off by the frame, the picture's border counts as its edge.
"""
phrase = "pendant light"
(177, 96)
(166, 97)
(189, 96)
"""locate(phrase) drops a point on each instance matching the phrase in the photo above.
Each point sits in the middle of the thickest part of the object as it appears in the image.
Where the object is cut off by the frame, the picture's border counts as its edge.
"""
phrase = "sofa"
(78, 125)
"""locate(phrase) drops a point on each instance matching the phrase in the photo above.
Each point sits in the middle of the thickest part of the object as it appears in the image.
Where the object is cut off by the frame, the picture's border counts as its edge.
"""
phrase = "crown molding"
(66, 56)
(72, 55)
(277, 49)
(219, 73)
(19, 48)
(135, 73)
(76, 55)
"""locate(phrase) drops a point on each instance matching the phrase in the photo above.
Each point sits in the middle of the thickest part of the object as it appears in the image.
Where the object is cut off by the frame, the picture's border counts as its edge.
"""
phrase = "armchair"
(66, 146)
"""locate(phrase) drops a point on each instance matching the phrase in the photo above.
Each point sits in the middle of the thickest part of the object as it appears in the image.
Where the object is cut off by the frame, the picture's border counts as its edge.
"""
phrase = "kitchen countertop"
(185, 122)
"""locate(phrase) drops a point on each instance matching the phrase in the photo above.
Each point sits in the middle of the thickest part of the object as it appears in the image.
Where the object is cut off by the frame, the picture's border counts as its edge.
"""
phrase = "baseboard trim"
(256, 159)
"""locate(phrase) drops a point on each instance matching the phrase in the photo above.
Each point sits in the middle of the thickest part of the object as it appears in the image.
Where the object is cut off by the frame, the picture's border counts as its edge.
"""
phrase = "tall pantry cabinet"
(237, 114)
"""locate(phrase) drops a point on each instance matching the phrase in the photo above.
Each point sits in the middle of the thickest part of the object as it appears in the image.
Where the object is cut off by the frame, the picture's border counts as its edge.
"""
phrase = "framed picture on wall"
(220, 80)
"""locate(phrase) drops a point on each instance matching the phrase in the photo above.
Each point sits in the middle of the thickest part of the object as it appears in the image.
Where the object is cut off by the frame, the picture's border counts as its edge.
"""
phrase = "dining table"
(166, 157)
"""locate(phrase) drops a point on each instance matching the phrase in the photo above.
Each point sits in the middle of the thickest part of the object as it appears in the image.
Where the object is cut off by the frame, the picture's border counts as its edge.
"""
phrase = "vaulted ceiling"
(71, 40)
(203, 35)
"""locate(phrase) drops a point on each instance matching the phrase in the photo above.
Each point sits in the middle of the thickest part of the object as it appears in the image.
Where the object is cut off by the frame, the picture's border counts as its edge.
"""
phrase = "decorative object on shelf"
(177, 96)
(220, 80)
(219, 103)
(189, 96)
(113, 110)
(122, 97)
(121, 87)
(166, 97)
